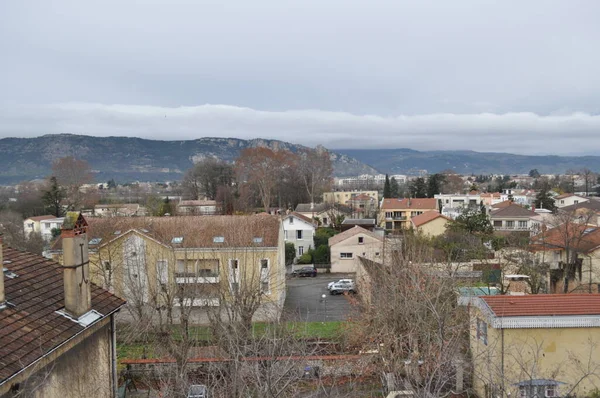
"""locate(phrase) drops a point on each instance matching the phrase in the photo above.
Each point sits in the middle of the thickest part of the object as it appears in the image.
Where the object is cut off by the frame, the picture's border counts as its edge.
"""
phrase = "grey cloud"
(522, 132)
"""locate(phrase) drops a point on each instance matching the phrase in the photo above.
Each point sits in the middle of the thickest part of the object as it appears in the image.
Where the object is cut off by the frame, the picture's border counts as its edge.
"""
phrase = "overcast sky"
(518, 76)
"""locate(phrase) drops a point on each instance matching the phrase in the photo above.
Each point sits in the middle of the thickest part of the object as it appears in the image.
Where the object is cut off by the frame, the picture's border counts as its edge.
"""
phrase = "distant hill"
(131, 159)
(408, 161)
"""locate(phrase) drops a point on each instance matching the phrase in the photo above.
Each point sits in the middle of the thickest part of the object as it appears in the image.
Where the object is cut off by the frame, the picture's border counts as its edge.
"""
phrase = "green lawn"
(202, 335)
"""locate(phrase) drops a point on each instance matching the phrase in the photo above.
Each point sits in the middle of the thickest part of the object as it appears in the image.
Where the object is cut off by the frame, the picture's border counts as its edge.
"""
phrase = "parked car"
(342, 287)
(197, 391)
(330, 284)
(305, 271)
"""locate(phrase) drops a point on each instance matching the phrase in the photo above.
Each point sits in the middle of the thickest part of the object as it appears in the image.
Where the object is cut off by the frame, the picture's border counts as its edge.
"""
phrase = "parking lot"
(305, 302)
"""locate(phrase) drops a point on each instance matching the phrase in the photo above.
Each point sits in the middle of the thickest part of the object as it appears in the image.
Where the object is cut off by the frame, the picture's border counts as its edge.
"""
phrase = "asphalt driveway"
(304, 301)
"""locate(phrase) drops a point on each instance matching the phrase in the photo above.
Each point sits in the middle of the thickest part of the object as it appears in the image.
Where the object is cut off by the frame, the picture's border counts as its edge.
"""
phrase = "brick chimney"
(78, 300)
(2, 296)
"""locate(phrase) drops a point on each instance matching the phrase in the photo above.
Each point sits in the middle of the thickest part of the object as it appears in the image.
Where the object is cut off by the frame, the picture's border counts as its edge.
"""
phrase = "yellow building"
(342, 197)
(396, 214)
(197, 262)
(430, 223)
(535, 345)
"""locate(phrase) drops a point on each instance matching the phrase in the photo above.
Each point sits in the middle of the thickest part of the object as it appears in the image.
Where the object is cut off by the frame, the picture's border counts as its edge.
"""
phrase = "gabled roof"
(29, 325)
(412, 204)
(352, 232)
(302, 217)
(308, 208)
(513, 211)
(567, 195)
(40, 218)
(362, 196)
(543, 305)
(426, 217)
(197, 231)
(503, 204)
(359, 221)
(589, 205)
(578, 237)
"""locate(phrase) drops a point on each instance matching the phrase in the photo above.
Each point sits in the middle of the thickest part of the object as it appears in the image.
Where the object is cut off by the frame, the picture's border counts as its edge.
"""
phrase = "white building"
(569, 199)
(299, 230)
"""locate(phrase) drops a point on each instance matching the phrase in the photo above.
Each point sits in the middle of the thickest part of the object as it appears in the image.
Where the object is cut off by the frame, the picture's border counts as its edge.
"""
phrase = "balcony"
(192, 277)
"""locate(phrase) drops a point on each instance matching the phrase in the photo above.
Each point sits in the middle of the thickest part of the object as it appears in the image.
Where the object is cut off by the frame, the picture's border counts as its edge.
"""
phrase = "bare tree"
(206, 177)
(72, 173)
(315, 170)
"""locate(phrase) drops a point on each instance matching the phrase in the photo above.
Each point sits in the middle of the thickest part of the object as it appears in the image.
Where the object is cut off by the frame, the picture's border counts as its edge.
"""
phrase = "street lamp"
(324, 300)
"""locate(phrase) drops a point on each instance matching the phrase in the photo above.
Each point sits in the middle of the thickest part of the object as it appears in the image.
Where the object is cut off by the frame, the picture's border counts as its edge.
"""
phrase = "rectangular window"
(300, 250)
(291, 220)
(482, 331)
(345, 255)
(325, 220)
(264, 263)
(180, 266)
(574, 202)
(388, 214)
(234, 264)
(389, 225)
(498, 223)
(235, 287)
(361, 240)
(510, 224)
(522, 224)
(299, 234)
(551, 391)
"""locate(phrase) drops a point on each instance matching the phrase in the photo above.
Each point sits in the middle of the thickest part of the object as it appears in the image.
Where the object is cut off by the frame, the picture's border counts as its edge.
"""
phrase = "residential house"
(343, 197)
(51, 227)
(396, 214)
(569, 199)
(57, 329)
(572, 253)
(32, 224)
(348, 246)
(363, 206)
(511, 218)
(319, 211)
(118, 210)
(211, 260)
(539, 345)
(299, 230)
(430, 223)
(491, 198)
(198, 207)
(471, 199)
(587, 212)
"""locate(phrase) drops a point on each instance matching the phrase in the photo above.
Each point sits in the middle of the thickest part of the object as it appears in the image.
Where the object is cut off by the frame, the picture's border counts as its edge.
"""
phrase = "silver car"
(342, 287)
(198, 391)
(330, 284)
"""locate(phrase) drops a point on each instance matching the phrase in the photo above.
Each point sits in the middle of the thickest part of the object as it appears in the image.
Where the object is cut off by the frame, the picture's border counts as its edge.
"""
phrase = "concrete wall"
(371, 249)
(434, 228)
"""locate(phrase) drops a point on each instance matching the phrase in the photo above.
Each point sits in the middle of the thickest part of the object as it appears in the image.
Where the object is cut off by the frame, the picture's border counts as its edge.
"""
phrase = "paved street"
(304, 300)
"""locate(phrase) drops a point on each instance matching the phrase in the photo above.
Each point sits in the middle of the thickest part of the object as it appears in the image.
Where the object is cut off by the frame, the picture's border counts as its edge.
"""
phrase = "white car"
(340, 281)
(342, 287)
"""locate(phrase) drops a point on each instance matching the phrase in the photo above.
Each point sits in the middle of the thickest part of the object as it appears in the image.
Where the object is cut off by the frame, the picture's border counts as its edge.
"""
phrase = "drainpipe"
(113, 364)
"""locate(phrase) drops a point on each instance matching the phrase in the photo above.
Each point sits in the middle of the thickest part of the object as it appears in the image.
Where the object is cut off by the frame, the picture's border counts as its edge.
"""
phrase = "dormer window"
(218, 239)
(177, 240)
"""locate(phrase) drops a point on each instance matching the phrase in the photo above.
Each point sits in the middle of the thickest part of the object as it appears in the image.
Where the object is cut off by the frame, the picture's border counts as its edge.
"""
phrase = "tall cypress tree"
(387, 190)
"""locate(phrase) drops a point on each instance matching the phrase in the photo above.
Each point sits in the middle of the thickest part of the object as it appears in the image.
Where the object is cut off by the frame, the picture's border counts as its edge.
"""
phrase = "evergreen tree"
(434, 185)
(387, 190)
(394, 188)
(544, 200)
(53, 198)
(418, 188)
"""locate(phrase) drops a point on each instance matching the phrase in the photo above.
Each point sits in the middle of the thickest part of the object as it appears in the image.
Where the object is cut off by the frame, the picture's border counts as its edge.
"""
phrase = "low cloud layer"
(518, 132)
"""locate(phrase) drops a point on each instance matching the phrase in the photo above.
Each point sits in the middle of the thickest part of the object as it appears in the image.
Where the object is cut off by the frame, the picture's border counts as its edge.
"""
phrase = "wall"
(435, 227)
(560, 354)
(82, 371)
(371, 249)
(342, 197)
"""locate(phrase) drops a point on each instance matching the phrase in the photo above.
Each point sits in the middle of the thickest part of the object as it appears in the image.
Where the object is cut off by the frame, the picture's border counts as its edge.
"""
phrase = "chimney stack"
(2, 296)
(78, 297)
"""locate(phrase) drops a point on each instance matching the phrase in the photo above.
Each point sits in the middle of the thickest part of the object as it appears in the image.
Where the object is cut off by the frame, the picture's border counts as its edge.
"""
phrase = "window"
(180, 266)
(299, 234)
(257, 240)
(218, 239)
(510, 224)
(498, 223)
(264, 263)
(376, 254)
(551, 391)
(574, 202)
(177, 240)
(300, 250)
(361, 240)
(482, 331)
(388, 214)
(345, 255)
(522, 224)
(291, 220)
(234, 264)
(264, 276)
(107, 265)
(235, 287)
(562, 202)
(324, 220)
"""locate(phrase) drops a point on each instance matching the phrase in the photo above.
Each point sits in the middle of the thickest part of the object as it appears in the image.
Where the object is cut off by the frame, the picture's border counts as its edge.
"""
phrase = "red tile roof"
(29, 325)
(544, 305)
(577, 237)
(412, 204)
(512, 210)
(502, 205)
(426, 217)
(352, 232)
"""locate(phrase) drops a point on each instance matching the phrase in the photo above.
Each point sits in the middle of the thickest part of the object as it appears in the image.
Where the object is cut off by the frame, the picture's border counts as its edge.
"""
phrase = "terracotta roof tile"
(544, 305)
(29, 326)
(512, 210)
(503, 204)
(426, 217)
